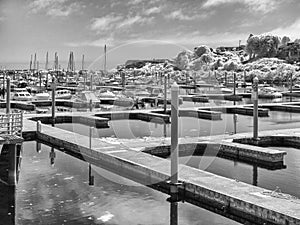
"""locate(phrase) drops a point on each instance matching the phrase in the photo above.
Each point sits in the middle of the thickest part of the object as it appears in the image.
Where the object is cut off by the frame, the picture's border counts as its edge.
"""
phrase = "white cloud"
(55, 8)
(153, 10)
(263, 6)
(291, 31)
(135, 2)
(113, 23)
(104, 23)
(134, 20)
(64, 11)
(179, 15)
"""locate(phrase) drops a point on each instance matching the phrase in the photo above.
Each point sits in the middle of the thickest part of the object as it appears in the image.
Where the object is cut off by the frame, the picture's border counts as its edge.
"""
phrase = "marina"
(149, 112)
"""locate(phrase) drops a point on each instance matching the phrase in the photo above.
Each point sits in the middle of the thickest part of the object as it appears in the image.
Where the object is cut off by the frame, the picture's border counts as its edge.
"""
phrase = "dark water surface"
(189, 127)
(60, 194)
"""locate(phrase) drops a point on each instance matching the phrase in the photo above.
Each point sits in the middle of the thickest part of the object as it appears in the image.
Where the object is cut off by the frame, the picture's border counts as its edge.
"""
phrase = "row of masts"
(34, 63)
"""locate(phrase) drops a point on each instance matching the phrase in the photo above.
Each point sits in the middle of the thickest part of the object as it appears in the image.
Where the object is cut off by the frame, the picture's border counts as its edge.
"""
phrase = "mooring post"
(8, 95)
(245, 73)
(174, 153)
(53, 100)
(186, 78)
(234, 83)
(195, 83)
(12, 178)
(9, 118)
(123, 79)
(91, 105)
(291, 86)
(165, 94)
(91, 82)
(174, 133)
(255, 108)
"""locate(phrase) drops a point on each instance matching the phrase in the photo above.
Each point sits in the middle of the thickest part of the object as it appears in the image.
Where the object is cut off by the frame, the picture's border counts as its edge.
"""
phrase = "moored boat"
(269, 92)
(63, 94)
(42, 96)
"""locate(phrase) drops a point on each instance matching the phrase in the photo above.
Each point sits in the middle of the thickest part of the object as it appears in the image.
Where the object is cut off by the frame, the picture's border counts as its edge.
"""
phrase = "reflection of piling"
(255, 108)
(38, 130)
(91, 178)
(52, 156)
(255, 175)
(12, 175)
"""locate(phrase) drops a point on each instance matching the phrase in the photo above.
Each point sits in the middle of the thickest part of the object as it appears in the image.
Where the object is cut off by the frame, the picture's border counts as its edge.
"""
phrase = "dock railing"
(11, 123)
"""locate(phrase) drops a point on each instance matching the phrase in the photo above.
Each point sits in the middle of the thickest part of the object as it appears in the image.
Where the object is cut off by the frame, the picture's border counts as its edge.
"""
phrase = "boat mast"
(83, 73)
(73, 63)
(34, 63)
(30, 64)
(104, 58)
(46, 64)
(46, 68)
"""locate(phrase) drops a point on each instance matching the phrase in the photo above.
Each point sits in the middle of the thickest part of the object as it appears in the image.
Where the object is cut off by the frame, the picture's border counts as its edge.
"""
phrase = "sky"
(135, 29)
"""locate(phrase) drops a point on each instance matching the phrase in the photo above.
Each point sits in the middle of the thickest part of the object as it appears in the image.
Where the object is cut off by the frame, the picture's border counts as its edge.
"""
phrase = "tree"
(202, 49)
(262, 46)
(297, 40)
(252, 45)
(182, 59)
(285, 40)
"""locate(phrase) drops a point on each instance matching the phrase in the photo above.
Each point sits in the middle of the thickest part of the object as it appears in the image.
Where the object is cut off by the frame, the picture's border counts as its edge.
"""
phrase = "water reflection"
(52, 156)
(192, 127)
(8, 192)
(61, 194)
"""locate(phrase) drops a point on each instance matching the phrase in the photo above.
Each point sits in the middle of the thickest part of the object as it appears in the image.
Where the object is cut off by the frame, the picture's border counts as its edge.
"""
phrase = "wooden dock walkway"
(236, 200)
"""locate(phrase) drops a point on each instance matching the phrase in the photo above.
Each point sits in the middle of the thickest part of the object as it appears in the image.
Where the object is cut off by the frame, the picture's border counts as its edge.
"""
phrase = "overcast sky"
(135, 28)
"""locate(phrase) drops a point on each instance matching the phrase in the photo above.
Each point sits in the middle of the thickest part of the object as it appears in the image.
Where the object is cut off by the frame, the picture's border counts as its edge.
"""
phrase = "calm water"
(192, 127)
(286, 179)
(60, 194)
